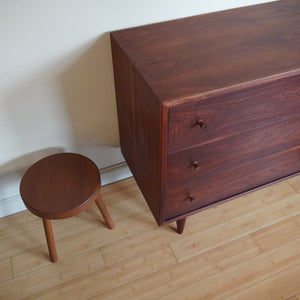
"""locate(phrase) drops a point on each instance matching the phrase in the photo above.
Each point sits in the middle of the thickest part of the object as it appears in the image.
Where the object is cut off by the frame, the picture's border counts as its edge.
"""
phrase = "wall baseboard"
(11, 206)
(114, 173)
(14, 204)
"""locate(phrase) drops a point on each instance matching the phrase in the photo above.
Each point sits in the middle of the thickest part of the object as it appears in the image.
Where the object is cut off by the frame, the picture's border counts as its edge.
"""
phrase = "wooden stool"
(61, 186)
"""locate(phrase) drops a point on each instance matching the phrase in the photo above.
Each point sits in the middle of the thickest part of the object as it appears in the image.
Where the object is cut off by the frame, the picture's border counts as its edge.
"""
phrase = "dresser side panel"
(140, 128)
(124, 95)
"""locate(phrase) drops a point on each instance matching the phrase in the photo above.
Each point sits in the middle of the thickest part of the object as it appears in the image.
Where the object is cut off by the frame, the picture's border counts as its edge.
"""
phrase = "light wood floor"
(247, 248)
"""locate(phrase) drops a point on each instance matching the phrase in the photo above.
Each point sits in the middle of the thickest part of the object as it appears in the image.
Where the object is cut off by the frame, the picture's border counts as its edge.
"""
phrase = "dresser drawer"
(200, 121)
(196, 195)
(210, 159)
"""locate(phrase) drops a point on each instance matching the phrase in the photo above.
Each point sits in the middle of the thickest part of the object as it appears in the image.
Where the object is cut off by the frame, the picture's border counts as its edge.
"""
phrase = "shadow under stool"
(61, 186)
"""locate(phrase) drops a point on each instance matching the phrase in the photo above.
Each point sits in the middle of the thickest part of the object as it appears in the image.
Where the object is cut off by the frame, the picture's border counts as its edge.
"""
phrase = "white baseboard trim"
(14, 204)
(115, 173)
(11, 206)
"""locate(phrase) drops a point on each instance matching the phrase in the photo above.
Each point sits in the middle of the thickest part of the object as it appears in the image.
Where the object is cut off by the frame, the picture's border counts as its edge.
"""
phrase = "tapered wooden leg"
(104, 212)
(180, 225)
(50, 239)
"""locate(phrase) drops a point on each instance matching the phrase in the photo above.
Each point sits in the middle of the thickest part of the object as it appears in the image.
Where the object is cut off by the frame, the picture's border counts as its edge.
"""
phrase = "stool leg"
(104, 212)
(50, 239)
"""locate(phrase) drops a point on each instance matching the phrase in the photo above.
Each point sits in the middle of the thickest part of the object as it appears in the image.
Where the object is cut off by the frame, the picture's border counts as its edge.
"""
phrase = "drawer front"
(200, 121)
(210, 159)
(190, 197)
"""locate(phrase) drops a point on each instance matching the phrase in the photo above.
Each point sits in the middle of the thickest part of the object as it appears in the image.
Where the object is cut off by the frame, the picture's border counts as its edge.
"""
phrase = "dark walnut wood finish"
(61, 186)
(209, 106)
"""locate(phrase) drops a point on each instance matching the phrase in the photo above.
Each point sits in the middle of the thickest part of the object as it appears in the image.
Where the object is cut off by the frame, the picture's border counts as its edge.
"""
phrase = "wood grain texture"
(202, 266)
(242, 275)
(208, 105)
(225, 154)
(113, 276)
(152, 239)
(5, 270)
(60, 185)
(109, 222)
(180, 225)
(65, 229)
(228, 184)
(275, 288)
(233, 112)
(50, 239)
(278, 234)
(78, 242)
(295, 183)
(234, 229)
(155, 286)
(45, 278)
(194, 55)
(140, 126)
(260, 235)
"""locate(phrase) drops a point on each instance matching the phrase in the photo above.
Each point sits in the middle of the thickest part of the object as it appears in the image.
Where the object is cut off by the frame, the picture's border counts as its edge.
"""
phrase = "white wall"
(56, 78)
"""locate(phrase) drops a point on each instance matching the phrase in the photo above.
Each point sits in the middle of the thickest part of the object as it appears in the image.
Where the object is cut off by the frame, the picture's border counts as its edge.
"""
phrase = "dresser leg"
(180, 225)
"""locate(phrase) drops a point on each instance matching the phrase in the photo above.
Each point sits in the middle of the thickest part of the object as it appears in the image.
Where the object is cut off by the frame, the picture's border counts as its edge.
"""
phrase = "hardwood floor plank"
(21, 243)
(196, 223)
(137, 244)
(252, 201)
(123, 209)
(52, 275)
(203, 241)
(31, 260)
(216, 260)
(111, 277)
(18, 223)
(223, 284)
(247, 242)
(80, 243)
(277, 234)
(5, 270)
(280, 286)
(295, 183)
(122, 190)
(160, 283)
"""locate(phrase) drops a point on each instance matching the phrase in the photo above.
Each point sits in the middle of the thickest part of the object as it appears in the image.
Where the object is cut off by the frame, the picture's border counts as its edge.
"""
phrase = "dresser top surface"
(206, 53)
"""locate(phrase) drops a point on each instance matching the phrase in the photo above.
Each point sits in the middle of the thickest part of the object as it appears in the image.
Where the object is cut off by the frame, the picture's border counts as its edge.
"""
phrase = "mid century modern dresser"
(209, 106)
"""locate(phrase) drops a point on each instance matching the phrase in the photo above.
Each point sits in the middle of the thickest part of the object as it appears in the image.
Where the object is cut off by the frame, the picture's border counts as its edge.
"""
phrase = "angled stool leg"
(104, 212)
(50, 239)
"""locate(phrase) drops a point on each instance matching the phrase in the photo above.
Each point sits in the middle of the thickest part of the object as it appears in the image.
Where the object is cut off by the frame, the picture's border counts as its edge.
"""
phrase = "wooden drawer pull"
(195, 164)
(200, 122)
(190, 198)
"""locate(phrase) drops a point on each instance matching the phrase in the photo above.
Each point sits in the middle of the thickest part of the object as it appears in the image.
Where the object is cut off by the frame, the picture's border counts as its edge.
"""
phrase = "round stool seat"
(59, 185)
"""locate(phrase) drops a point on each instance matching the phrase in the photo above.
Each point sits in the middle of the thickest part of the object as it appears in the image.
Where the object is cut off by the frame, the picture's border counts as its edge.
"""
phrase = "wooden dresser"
(209, 106)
